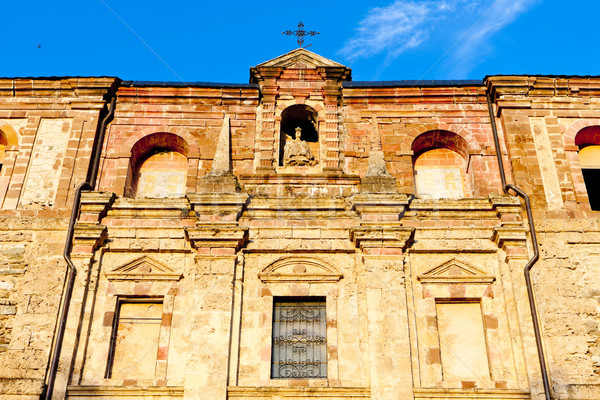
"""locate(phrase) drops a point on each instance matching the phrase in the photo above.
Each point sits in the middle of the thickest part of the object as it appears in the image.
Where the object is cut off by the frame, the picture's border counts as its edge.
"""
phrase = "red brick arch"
(411, 135)
(163, 140)
(436, 139)
(573, 130)
(192, 149)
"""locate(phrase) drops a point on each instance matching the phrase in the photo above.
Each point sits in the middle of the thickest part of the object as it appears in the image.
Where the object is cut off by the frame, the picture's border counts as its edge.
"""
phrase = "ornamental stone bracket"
(218, 207)
(509, 236)
(382, 239)
(224, 237)
(512, 240)
(87, 238)
(508, 209)
(94, 206)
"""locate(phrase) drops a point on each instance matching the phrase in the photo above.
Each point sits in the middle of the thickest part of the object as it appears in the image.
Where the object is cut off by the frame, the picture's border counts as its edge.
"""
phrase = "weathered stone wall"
(540, 117)
(50, 125)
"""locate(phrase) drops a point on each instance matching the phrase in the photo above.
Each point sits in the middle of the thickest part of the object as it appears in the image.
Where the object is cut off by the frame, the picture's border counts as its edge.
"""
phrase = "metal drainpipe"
(536, 252)
(72, 272)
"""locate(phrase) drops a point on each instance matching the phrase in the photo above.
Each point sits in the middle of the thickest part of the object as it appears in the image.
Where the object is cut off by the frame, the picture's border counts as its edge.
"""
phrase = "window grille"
(299, 338)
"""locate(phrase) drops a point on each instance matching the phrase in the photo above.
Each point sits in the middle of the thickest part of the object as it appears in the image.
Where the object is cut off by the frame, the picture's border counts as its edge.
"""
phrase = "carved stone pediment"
(299, 269)
(300, 57)
(455, 271)
(144, 268)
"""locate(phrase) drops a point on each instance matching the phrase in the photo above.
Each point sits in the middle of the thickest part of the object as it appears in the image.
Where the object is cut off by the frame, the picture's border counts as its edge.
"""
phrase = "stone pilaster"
(211, 296)
(382, 284)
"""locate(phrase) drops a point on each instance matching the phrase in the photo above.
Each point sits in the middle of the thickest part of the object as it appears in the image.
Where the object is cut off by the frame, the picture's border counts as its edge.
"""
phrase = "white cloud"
(406, 24)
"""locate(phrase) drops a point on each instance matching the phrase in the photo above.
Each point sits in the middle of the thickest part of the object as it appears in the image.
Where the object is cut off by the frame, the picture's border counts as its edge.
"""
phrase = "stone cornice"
(215, 236)
(398, 237)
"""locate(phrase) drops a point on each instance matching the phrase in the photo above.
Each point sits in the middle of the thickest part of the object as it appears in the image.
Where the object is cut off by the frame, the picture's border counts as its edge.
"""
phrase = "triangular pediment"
(144, 268)
(299, 269)
(455, 271)
(300, 58)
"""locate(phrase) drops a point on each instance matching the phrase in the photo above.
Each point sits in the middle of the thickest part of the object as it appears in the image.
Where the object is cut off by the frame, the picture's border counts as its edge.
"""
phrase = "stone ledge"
(75, 392)
(470, 394)
(299, 392)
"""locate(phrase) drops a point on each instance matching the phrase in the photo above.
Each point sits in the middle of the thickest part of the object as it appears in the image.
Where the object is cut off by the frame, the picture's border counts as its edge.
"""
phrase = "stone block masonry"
(400, 232)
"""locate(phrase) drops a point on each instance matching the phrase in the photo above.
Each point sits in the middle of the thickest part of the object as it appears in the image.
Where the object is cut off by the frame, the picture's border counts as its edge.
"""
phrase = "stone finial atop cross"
(300, 33)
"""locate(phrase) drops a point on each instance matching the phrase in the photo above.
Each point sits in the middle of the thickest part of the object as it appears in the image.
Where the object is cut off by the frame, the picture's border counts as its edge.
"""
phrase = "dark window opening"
(299, 348)
(591, 177)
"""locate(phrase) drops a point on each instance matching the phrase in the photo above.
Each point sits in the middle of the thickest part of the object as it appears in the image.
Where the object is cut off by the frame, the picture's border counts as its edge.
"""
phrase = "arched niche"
(306, 118)
(159, 166)
(440, 165)
(588, 141)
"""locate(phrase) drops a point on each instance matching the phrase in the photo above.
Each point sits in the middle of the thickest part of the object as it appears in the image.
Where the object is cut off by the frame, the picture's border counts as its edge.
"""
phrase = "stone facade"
(196, 229)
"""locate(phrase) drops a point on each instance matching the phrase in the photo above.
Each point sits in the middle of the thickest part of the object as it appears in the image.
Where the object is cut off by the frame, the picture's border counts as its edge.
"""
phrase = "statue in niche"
(297, 151)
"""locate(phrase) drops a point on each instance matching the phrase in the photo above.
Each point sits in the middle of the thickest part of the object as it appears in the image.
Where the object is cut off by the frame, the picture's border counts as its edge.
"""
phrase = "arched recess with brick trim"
(312, 108)
(158, 166)
(8, 137)
(440, 165)
(587, 141)
(573, 143)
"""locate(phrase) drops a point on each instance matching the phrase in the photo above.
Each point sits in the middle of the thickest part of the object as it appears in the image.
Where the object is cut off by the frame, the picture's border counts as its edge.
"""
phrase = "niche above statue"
(299, 137)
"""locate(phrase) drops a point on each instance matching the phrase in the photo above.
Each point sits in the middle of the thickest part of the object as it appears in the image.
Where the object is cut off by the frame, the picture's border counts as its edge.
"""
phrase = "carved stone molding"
(471, 394)
(227, 207)
(299, 269)
(455, 271)
(240, 392)
(87, 238)
(212, 236)
(509, 236)
(94, 206)
(144, 268)
(165, 392)
(369, 205)
(398, 237)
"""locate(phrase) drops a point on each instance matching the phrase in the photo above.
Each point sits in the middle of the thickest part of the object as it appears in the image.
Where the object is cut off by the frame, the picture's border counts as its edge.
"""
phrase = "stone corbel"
(512, 240)
(211, 236)
(393, 238)
(508, 209)
(87, 238)
(94, 206)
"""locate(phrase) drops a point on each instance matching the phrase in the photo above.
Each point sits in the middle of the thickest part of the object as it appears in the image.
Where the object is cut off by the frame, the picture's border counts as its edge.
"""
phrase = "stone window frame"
(155, 286)
(297, 300)
(115, 327)
(448, 289)
(279, 280)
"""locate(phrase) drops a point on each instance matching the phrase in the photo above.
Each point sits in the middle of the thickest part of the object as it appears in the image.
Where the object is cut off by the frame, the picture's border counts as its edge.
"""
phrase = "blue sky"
(220, 41)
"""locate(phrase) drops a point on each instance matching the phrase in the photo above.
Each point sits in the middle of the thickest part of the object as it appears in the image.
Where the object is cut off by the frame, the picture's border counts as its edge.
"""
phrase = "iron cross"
(300, 33)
